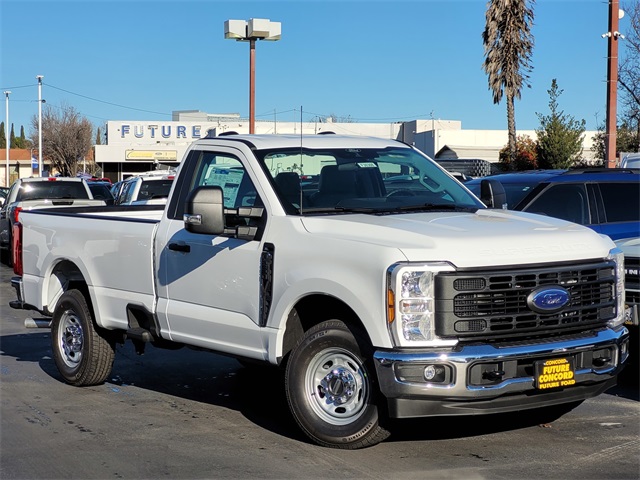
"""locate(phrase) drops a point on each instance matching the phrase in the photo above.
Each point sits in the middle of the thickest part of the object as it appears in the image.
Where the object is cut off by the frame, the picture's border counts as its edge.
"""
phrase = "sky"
(369, 60)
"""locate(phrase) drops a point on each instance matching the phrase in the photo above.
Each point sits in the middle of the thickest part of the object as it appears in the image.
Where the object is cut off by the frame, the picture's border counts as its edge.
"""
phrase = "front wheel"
(331, 391)
(81, 350)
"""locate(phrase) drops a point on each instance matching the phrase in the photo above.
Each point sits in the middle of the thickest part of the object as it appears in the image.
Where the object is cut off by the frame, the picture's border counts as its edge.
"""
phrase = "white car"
(631, 249)
(151, 188)
(632, 160)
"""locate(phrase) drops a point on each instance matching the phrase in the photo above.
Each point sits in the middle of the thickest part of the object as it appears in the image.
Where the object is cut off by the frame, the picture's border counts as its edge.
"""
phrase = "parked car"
(606, 200)
(4, 191)
(151, 188)
(631, 249)
(40, 192)
(632, 160)
(102, 191)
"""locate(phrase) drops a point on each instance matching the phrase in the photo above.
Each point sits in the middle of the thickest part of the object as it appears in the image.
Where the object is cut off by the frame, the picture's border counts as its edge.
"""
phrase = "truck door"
(208, 286)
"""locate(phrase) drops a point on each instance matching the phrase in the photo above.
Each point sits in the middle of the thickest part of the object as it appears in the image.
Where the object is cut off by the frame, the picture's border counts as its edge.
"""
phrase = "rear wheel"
(81, 350)
(331, 390)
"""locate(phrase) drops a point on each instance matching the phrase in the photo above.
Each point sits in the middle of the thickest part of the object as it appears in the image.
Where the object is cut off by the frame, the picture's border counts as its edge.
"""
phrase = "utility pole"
(8, 137)
(612, 84)
(39, 77)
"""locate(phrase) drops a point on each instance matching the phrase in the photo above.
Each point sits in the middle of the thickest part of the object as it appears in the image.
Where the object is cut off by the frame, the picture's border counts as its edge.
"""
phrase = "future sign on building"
(145, 132)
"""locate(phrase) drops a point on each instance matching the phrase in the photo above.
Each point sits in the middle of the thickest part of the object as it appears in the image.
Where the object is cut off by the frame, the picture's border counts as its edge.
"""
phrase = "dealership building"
(138, 146)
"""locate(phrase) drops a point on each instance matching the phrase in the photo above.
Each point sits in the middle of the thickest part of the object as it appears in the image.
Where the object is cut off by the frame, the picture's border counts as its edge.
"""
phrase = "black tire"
(331, 388)
(81, 350)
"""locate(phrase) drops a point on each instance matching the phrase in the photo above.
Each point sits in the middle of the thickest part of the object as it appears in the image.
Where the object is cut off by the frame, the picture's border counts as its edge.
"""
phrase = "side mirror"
(204, 211)
(492, 194)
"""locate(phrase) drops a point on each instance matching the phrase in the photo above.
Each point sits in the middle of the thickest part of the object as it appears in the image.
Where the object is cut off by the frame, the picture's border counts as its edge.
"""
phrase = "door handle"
(180, 247)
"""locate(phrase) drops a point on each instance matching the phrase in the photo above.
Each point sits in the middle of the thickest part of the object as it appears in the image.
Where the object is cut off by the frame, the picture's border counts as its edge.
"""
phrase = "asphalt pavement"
(189, 414)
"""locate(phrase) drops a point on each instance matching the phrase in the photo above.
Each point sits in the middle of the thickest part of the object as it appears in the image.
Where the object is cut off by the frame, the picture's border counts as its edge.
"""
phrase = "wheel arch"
(64, 275)
(313, 309)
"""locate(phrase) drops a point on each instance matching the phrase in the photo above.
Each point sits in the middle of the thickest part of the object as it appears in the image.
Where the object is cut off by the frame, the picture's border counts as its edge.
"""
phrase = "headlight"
(411, 304)
(617, 255)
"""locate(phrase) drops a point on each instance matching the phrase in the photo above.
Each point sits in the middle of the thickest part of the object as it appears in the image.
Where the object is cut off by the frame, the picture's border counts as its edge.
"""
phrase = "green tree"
(560, 135)
(627, 141)
(66, 138)
(12, 138)
(3, 136)
(526, 155)
(98, 141)
(21, 141)
(508, 46)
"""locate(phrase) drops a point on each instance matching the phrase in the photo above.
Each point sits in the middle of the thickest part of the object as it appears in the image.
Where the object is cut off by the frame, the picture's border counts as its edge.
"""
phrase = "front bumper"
(492, 379)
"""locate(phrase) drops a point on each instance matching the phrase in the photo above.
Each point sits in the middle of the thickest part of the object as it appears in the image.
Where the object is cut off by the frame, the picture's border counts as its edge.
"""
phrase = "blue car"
(606, 200)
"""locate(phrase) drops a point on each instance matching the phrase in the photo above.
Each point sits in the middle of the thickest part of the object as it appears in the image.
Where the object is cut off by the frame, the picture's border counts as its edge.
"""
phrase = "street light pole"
(39, 77)
(252, 85)
(252, 30)
(6, 133)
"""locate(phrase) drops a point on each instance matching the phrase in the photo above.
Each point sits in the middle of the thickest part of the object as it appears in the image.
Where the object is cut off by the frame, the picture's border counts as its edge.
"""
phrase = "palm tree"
(508, 45)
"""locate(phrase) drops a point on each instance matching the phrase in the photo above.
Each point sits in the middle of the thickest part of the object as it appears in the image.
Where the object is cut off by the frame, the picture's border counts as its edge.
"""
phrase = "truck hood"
(485, 238)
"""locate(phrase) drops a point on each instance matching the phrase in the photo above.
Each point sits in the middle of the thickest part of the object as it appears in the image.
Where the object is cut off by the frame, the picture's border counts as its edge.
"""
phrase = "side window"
(227, 172)
(127, 192)
(621, 201)
(565, 201)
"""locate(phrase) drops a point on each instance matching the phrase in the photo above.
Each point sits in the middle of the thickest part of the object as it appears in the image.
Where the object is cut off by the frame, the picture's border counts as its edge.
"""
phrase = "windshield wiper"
(389, 211)
(338, 210)
(435, 206)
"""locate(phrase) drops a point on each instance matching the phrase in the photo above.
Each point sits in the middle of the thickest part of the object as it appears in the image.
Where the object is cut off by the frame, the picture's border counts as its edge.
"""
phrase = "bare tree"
(508, 46)
(629, 70)
(66, 138)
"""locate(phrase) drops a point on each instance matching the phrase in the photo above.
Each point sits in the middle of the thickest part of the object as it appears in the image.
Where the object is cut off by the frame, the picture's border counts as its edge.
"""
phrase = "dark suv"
(606, 200)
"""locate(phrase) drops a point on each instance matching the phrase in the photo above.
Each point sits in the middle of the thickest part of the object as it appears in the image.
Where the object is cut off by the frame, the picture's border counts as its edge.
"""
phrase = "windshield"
(362, 180)
(155, 189)
(51, 190)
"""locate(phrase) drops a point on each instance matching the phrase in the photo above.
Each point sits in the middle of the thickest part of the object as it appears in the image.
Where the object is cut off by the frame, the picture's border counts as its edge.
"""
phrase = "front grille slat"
(493, 305)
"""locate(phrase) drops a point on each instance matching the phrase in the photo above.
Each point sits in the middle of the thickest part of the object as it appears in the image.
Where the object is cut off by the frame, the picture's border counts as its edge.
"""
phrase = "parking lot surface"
(193, 414)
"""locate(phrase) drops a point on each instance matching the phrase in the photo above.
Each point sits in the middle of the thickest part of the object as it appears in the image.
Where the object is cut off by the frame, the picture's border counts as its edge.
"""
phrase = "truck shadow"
(256, 392)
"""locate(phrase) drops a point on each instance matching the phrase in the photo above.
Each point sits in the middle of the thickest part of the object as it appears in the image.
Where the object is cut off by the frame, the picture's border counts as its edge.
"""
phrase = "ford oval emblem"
(548, 299)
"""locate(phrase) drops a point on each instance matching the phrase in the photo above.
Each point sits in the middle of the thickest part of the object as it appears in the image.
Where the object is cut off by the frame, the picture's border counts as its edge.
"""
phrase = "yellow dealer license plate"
(555, 373)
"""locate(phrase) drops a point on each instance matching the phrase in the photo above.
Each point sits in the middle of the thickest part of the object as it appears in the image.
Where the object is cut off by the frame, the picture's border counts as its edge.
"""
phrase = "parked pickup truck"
(150, 188)
(39, 192)
(384, 290)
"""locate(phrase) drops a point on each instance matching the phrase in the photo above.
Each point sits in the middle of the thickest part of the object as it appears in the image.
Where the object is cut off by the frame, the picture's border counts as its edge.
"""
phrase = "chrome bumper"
(491, 379)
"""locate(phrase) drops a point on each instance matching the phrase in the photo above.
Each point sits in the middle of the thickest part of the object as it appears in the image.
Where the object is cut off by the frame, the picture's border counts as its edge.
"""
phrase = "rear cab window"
(51, 190)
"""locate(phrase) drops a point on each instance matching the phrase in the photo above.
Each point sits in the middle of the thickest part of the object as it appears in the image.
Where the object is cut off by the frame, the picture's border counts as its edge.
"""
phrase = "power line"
(105, 102)
(267, 114)
(21, 86)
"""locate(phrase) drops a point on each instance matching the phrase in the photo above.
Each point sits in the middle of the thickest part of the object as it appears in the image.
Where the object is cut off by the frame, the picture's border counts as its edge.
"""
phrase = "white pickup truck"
(40, 192)
(382, 287)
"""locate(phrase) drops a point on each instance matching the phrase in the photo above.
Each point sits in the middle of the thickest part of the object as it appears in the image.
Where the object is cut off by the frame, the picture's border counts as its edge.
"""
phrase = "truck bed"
(111, 246)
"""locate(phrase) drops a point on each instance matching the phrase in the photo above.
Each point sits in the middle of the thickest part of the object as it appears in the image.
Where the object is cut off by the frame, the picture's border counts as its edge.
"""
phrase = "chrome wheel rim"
(337, 387)
(70, 339)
